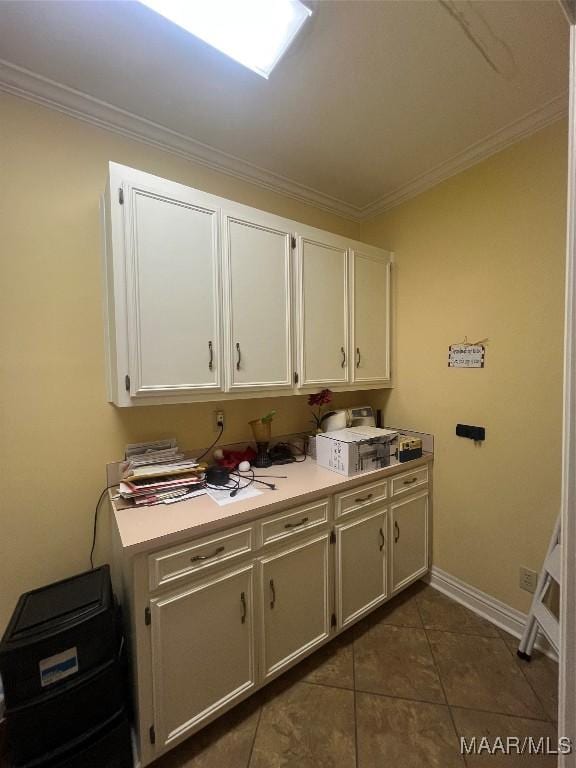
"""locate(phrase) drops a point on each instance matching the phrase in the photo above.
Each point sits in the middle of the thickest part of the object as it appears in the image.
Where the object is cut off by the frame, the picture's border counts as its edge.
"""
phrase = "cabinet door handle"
(358, 357)
(360, 499)
(296, 525)
(343, 356)
(243, 601)
(409, 482)
(382, 539)
(196, 558)
(211, 351)
(239, 356)
(273, 591)
(396, 531)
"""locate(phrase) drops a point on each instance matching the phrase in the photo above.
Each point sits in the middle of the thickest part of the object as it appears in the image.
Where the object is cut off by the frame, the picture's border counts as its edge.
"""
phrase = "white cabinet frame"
(130, 191)
(315, 237)
(122, 311)
(378, 256)
(273, 224)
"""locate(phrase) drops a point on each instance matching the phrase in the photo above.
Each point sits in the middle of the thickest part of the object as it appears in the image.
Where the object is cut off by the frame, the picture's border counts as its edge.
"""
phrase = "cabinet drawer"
(409, 480)
(176, 563)
(360, 497)
(286, 524)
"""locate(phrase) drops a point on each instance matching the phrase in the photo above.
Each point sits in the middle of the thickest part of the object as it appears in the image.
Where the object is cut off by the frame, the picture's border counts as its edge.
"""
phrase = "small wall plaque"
(466, 356)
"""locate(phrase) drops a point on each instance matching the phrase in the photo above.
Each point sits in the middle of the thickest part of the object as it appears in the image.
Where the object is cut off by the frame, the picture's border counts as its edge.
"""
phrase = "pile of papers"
(158, 472)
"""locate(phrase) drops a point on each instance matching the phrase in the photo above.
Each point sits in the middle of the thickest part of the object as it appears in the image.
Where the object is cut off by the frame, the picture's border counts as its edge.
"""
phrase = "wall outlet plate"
(528, 579)
(219, 419)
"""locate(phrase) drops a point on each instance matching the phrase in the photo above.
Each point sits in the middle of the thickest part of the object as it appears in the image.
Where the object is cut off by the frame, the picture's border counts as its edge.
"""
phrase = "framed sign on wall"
(466, 355)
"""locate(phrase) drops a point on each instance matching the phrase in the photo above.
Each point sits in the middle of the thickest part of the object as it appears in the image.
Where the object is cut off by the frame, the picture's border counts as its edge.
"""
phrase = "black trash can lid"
(67, 601)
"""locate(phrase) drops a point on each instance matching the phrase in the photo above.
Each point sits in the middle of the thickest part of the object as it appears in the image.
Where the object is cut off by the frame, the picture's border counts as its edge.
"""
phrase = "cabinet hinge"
(147, 617)
(333, 620)
(295, 377)
(121, 196)
(127, 383)
(293, 241)
(152, 733)
(333, 537)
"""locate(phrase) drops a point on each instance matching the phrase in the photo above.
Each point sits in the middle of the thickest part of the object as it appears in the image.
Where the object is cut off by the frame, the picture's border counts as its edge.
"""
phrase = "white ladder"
(539, 616)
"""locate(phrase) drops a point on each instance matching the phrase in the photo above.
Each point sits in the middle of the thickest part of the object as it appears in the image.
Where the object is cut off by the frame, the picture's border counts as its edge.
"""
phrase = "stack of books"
(155, 473)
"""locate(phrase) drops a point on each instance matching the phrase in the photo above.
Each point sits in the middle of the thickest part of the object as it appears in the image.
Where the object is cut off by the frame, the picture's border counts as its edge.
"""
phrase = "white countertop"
(145, 528)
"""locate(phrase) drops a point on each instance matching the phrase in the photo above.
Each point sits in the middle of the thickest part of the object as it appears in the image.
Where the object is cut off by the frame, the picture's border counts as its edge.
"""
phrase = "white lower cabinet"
(253, 600)
(409, 537)
(361, 565)
(295, 600)
(202, 651)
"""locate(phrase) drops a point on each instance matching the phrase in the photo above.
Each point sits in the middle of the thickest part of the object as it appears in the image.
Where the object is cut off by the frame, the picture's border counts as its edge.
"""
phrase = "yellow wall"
(57, 431)
(482, 255)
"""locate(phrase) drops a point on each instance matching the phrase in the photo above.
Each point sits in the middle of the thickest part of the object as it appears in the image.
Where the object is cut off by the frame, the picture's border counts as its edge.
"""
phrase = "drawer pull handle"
(196, 558)
(396, 532)
(360, 499)
(296, 525)
(239, 356)
(343, 357)
(382, 539)
(243, 601)
(358, 357)
(211, 363)
(409, 482)
(273, 591)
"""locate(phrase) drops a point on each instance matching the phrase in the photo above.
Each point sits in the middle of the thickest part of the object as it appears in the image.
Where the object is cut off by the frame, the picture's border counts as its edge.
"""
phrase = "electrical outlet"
(219, 417)
(528, 579)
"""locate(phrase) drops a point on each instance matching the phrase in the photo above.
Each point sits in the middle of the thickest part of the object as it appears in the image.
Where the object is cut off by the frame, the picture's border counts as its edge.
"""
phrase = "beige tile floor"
(397, 691)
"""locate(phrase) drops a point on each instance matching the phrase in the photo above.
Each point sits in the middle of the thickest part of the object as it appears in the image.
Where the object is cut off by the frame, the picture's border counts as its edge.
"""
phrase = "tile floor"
(397, 690)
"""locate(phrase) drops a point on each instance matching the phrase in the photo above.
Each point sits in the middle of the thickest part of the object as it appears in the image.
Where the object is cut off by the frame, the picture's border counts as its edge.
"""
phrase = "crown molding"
(534, 121)
(49, 93)
(28, 85)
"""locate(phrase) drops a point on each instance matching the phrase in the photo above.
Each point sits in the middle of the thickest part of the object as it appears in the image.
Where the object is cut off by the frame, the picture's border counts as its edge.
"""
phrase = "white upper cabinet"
(370, 315)
(323, 310)
(205, 297)
(163, 241)
(257, 269)
(172, 289)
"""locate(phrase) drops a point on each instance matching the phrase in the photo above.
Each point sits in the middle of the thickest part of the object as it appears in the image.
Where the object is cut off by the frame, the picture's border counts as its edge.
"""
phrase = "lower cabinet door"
(410, 546)
(202, 651)
(361, 565)
(296, 603)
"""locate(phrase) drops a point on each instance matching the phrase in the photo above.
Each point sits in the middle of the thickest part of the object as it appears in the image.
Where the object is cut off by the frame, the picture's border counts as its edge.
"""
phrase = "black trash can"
(63, 670)
(57, 632)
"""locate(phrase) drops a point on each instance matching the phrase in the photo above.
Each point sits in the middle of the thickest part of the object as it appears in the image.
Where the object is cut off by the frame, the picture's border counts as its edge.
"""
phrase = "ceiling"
(375, 101)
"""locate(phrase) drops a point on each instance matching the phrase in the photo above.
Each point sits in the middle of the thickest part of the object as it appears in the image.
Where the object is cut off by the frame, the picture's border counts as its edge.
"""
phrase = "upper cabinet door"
(172, 290)
(370, 316)
(257, 259)
(323, 311)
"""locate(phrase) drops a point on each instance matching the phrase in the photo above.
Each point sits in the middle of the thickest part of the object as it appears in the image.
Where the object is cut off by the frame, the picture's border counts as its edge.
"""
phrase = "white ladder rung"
(552, 564)
(548, 624)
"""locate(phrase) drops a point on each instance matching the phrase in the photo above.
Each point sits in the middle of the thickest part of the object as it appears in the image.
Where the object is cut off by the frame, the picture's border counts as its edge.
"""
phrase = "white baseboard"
(486, 606)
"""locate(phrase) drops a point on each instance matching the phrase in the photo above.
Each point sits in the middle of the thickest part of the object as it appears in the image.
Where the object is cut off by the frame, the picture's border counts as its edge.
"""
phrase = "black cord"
(108, 487)
(213, 444)
(243, 487)
(236, 488)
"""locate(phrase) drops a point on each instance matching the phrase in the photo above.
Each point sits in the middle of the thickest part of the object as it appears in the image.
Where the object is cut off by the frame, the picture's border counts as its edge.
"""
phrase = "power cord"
(213, 444)
(236, 487)
(108, 487)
